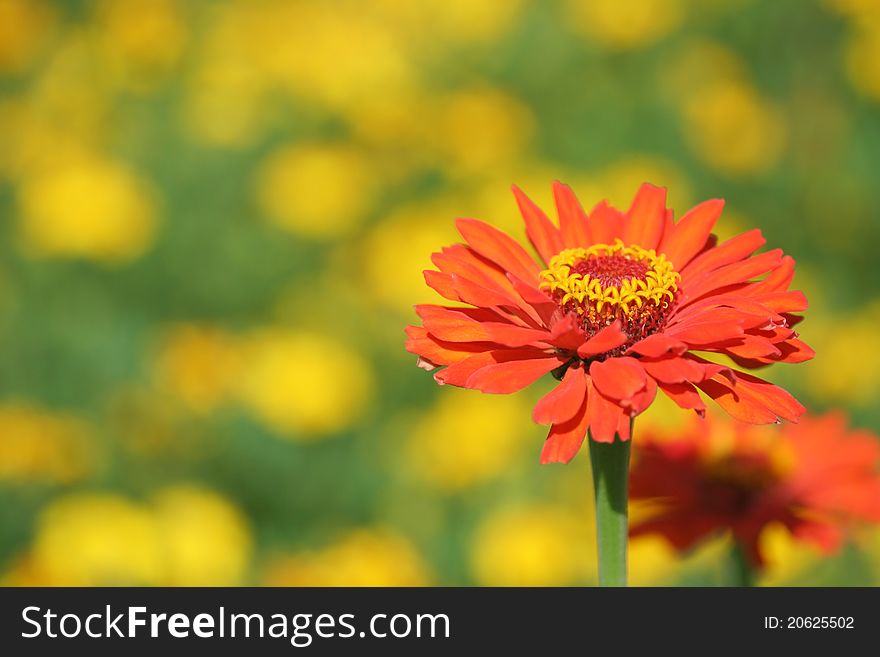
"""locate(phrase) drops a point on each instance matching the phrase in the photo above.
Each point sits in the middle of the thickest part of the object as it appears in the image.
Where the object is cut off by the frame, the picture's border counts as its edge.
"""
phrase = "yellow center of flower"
(608, 282)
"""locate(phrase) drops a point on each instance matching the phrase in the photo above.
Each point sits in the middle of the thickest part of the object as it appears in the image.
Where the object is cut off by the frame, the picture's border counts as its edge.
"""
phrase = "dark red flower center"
(608, 282)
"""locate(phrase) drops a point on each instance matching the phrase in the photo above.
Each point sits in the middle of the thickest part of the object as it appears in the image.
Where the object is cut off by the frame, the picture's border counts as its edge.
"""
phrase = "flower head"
(815, 478)
(616, 307)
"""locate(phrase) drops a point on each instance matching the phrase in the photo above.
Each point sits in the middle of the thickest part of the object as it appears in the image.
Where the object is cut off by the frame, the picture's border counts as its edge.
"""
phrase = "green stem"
(741, 567)
(610, 485)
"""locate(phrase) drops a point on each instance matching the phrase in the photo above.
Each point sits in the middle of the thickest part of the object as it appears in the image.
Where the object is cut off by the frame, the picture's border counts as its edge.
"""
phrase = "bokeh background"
(213, 219)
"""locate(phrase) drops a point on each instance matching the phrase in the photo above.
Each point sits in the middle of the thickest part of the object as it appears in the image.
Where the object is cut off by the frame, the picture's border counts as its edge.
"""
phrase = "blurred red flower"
(614, 309)
(816, 478)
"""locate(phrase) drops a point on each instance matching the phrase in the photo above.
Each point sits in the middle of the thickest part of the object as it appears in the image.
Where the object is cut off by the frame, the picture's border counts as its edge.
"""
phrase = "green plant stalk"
(741, 567)
(610, 463)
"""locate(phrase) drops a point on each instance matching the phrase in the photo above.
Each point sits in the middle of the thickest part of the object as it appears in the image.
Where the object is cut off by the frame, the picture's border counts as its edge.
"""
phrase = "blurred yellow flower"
(303, 386)
(28, 142)
(146, 421)
(206, 541)
(317, 191)
(535, 545)
(839, 372)
(199, 365)
(365, 557)
(437, 24)
(399, 249)
(863, 55)
(787, 558)
(95, 209)
(189, 536)
(92, 539)
(870, 546)
(653, 562)
(25, 27)
(733, 129)
(465, 439)
(224, 105)
(475, 130)
(321, 52)
(853, 8)
(42, 445)
(142, 39)
(625, 24)
(695, 64)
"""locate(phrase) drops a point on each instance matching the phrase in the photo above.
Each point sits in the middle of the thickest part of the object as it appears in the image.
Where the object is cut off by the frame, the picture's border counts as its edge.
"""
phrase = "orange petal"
(544, 306)
(565, 439)
(779, 279)
(792, 301)
(543, 235)
(499, 247)
(604, 417)
(607, 339)
(733, 250)
(618, 378)
(705, 333)
(737, 272)
(563, 402)
(441, 283)
(685, 395)
(752, 399)
(794, 351)
(672, 370)
(572, 218)
(658, 345)
(567, 334)
(512, 370)
(689, 235)
(646, 217)
(605, 223)
(436, 352)
(640, 401)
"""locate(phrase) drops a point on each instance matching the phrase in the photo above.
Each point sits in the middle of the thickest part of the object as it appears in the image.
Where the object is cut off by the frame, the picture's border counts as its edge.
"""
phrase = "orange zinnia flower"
(616, 308)
(815, 478)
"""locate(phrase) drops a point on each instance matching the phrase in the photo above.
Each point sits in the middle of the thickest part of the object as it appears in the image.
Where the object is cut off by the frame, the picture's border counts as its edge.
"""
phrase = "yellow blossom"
(188, 536)
(695, 64)
(25, 27)
(787, 558)
(441, 24)
(198, 364)
(364, 557)
(733, 129)
(145, 421)
(464, 439)
(625, 24)
(224, 102)
(303, 386)
(96, 209)
(307, 49)
(205, 538)
(479, 128)
(92, 539)
(316, 190)
(40, 445)
(863, 56)
(654, 562)
(839, 372)
(535, 545)
(142, 39)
